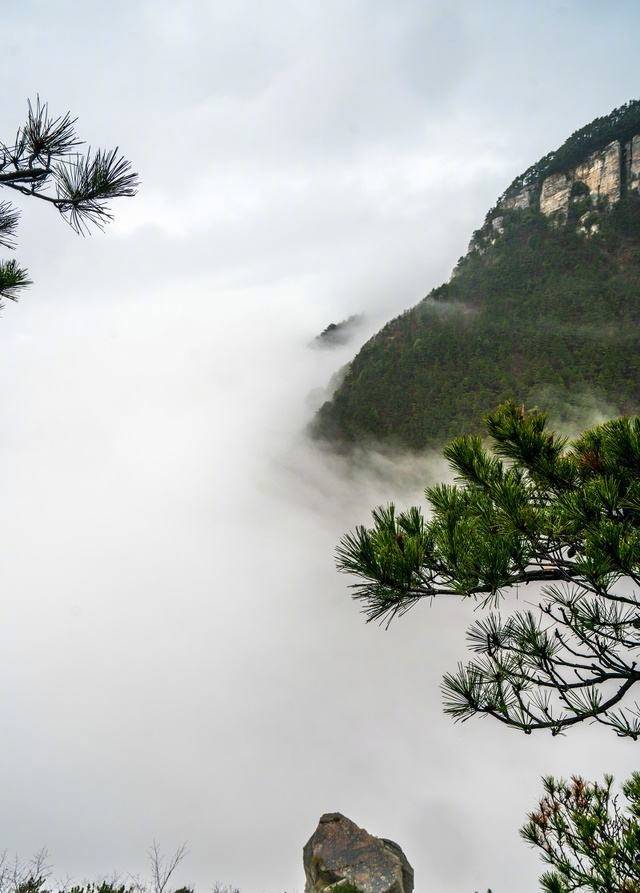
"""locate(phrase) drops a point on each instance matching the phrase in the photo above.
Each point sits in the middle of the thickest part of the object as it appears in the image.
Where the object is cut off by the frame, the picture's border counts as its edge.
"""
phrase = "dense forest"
(544, 315)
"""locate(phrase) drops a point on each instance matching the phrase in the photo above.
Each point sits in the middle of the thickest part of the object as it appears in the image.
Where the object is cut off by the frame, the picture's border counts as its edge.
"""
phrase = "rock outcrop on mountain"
(544, 308)
(573, 176)
(633, 164)
(602, 176)
(340, 856)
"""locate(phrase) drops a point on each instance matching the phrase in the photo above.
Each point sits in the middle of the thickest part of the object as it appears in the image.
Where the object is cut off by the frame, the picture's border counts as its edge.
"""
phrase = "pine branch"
(13, 279)
(538, 510)
(43, 162)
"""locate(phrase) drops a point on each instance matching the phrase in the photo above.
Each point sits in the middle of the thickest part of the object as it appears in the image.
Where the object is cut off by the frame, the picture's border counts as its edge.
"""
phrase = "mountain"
(544, 307)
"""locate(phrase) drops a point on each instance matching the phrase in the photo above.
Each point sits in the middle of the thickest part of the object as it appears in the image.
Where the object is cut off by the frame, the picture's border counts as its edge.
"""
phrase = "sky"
(179, 659)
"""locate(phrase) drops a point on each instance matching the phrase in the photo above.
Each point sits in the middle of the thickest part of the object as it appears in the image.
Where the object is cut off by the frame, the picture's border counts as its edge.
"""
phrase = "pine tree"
(533, 510)
(44, 162)
(591, 839)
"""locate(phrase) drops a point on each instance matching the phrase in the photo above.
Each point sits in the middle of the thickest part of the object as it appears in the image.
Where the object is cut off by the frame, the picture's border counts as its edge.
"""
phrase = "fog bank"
(180, 659)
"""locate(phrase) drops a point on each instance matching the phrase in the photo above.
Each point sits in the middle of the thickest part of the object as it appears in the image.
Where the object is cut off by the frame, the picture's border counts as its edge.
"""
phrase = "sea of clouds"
(179, 659)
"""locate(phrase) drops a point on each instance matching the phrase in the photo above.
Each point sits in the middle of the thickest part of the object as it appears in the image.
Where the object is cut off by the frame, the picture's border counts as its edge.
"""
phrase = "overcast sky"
(178, 658)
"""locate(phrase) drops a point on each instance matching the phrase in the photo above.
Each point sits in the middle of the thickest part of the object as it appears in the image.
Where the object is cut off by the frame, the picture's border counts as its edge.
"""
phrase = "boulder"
(340, 856)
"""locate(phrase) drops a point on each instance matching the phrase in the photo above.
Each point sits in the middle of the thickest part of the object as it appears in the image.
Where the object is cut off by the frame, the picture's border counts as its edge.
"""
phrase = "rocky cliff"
(602, 175)
(544, 308)
(575, 178)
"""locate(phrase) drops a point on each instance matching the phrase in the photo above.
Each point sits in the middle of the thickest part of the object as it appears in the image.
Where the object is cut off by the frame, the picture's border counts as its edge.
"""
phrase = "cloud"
(179, 657)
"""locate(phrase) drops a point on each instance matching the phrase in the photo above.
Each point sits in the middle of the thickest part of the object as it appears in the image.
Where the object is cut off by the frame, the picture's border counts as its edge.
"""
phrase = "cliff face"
(593, 170)
(604, 173)
(597, 183)
(633, 164)
(544, 307)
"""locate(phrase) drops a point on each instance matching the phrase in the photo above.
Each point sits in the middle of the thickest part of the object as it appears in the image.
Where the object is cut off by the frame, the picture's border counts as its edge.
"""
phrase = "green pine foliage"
(588, 836)
(535, 509)
(45, 162)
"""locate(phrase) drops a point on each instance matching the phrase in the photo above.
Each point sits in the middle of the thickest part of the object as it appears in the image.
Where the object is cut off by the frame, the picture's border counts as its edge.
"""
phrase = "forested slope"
(543, 314)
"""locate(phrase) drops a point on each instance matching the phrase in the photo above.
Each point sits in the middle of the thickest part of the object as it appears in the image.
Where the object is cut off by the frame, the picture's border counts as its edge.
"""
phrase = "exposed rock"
(588, 224)
(554, 198)
(602, 173)
(519, 200)
(598, 181)
(339, 853)
(632, 151)
(480, 241)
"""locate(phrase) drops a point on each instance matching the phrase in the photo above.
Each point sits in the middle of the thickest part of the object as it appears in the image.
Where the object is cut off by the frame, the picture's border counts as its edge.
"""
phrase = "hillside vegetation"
(545, 315)
(541, 310)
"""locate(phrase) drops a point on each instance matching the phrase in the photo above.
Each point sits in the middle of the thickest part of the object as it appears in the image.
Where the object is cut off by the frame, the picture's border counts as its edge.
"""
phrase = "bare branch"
(162, 868)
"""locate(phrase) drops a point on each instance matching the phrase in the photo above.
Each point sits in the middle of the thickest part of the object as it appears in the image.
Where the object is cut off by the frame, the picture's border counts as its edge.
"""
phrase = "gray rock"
(339, 854)
(519, 200)
(632, 152)
(554, 197)
(601, 173)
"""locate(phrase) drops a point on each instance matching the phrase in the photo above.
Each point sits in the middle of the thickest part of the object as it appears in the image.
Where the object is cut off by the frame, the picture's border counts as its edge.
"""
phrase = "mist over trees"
(44, 162)
(544, 316)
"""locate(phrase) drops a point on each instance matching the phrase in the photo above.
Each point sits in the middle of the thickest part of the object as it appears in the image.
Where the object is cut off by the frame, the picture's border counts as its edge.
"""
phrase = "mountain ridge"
(544, 307)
